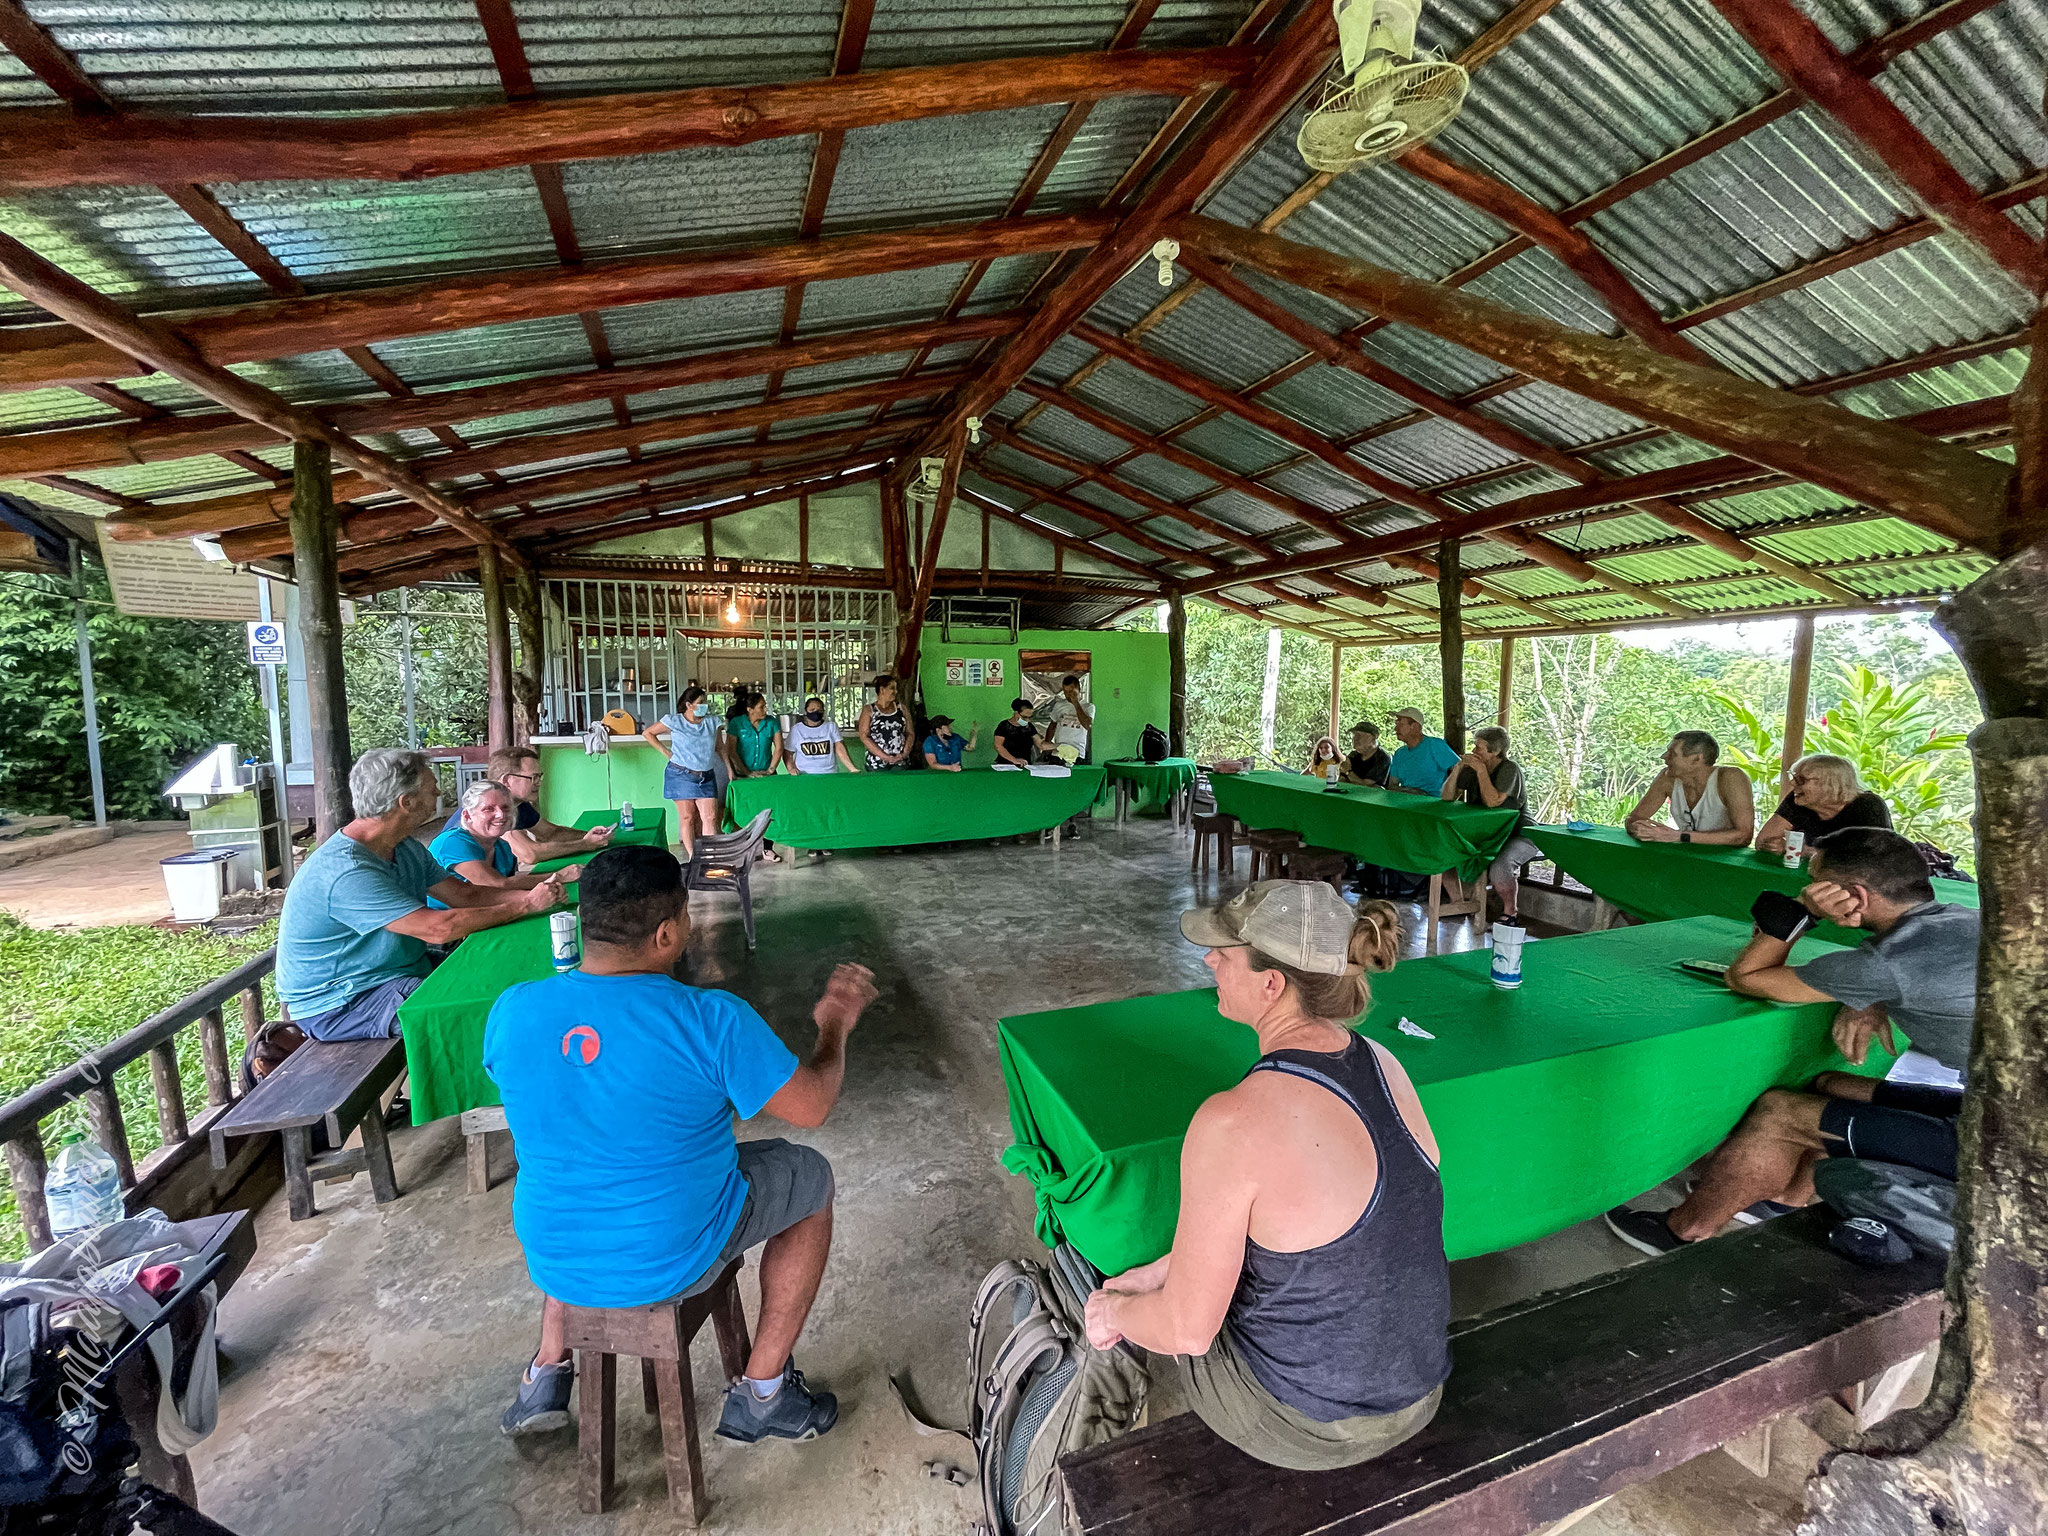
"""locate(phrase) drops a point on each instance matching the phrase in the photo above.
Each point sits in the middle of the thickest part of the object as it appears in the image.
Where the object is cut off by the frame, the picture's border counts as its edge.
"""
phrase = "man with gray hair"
(352, 941)
(1487, 776)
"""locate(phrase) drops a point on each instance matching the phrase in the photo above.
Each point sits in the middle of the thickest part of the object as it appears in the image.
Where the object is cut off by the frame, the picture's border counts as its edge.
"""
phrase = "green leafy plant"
(1888, 731)
(1761, 754)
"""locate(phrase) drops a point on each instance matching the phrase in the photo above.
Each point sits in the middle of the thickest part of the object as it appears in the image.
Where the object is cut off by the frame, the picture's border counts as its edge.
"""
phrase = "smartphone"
(1713, 970)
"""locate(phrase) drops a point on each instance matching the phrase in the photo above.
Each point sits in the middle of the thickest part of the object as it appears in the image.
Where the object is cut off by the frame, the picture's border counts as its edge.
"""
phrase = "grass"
(65, 994)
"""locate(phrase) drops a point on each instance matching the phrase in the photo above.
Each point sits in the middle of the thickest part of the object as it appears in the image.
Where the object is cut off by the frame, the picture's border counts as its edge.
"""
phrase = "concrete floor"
(372, 1349)
(117, 882)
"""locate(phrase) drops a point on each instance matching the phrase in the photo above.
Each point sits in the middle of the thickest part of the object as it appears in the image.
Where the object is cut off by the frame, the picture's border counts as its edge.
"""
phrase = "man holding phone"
(1862, 1144)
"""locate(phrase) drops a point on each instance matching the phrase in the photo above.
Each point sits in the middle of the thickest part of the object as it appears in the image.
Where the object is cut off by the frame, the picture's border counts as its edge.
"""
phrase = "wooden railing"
(91, 1078)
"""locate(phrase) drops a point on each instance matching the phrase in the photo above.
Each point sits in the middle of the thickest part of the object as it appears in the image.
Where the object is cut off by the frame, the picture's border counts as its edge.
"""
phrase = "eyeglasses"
(531, 778)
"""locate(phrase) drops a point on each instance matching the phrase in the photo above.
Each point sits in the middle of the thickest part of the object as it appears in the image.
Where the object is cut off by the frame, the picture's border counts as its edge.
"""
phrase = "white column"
(1269, 696)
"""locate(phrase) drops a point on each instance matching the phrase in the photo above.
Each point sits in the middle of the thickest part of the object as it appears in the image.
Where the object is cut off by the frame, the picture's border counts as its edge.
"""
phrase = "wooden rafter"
(1058, 536)
(164, 437)
(59, 354)
(754, 490)
(1949, 490)
(44, 284)
(63, 146)
(1802, 55)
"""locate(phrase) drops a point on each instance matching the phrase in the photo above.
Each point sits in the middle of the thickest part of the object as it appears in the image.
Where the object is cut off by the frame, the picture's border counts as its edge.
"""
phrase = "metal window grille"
(635, 645)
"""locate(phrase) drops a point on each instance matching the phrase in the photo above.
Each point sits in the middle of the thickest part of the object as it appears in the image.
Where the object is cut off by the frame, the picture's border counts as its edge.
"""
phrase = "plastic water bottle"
(626, 817)
(83, 1188)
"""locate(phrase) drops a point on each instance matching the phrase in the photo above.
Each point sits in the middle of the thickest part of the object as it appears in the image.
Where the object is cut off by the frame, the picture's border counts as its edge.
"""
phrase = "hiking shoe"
(795, 1412)
(543, 1402)
(1762, 1211)
(1645, 1231)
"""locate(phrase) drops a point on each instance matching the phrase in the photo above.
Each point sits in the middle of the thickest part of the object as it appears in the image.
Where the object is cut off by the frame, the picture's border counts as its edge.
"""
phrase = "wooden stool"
(1224, 829)
(1270, 848)
(1318, 864)
(660, 1335)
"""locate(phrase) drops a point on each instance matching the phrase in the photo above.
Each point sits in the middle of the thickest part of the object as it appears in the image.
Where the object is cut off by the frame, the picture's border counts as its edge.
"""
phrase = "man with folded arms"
(1868, 1148)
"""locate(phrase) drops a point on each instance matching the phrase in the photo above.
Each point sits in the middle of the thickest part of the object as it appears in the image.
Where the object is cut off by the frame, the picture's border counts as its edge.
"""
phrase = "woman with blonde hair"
(1824, 798)
(1306, 1295)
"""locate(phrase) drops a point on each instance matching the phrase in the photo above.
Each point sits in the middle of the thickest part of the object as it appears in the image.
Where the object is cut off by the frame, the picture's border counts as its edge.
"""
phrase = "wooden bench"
(341, 1082)
(1557, 1402)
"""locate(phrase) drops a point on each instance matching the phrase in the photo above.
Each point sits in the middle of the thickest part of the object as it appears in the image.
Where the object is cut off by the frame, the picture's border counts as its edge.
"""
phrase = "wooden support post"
(1176, 674)
(1451, 641)
(497, 646)
(1506, 695)
(526, 676)
(803, 534)
(1336, 691)
(252, 1014)
(314, 529)
(910, 625)
(1795, 700)
(27, 1166)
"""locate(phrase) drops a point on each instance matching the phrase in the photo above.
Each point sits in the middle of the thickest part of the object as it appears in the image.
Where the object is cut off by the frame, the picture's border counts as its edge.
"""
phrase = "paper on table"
(1050, 771)
(1006, 768)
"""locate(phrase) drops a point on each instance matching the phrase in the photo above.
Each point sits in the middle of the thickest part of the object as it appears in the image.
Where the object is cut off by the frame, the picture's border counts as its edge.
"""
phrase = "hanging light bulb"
(1164, 252)
(732, 605)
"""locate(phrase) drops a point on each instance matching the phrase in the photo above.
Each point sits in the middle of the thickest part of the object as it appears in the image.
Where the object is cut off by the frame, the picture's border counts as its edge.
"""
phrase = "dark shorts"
(371, 1015)
(1911, 1124)
(680, 783)
(786, 1184)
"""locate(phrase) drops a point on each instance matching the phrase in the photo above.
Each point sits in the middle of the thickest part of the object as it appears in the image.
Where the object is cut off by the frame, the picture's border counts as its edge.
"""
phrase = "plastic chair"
(721, 863)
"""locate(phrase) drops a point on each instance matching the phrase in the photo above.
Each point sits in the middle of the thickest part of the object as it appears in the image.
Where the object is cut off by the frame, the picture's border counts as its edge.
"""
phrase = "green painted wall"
(1127, 682)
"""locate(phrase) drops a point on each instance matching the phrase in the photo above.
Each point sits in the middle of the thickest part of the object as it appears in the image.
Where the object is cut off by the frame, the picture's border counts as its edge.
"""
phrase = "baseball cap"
(1302, 923)
(939, 720)
(1411, 713)
(1366, 726)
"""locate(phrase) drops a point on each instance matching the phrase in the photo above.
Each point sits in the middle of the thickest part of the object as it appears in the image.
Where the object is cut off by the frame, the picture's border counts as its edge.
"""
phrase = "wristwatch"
(1685, 837)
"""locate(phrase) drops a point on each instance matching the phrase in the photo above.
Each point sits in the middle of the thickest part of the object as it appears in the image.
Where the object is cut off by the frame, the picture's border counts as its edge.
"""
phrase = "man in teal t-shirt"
(620, 1086)
(1421, 762)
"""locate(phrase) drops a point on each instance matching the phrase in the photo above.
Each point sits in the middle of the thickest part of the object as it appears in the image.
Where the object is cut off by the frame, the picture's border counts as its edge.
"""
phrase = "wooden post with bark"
(1450, 596)
(1797, 690)
(314, 532)
(1176, 674)
(1336, 691)
(531, 665)
(1504, 700)
(497, 646)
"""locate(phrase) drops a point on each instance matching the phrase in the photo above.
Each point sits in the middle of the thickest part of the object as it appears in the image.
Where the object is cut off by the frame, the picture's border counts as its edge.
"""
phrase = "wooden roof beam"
(1157, 506)
(1229, 605)
(164, 437)
(737, 495)
(31, 356)
(1586, 261)
(61, 146)
(1802, 55)
(1293, 64)
(1060, 537)
(1111, 523)
(44, 284)
(1952, 491)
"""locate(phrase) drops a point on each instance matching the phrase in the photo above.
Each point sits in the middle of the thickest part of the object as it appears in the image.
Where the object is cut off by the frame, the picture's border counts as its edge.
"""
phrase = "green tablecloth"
(1413, 833)
(650, 830)
(1656, 881)
(889, 810)
(444, 1019)
(1155, 783)
(1605, 1074)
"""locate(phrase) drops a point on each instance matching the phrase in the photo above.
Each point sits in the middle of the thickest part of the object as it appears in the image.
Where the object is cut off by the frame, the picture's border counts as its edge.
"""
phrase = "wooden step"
(51, 845)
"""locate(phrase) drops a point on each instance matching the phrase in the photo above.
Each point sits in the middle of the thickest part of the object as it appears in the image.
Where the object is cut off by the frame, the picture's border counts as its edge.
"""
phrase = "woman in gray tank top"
(1306, 1296)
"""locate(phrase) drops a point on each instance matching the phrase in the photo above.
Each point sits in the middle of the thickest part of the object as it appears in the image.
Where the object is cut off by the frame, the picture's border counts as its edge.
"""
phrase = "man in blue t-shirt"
(1421, 762)
(620, 1087)
(352, 938)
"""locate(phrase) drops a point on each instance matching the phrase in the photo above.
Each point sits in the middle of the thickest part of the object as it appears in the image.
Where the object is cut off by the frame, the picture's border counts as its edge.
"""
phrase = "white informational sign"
(169, 579)
(266, 643)
(976, 670)
(994, 674)
(956, 672)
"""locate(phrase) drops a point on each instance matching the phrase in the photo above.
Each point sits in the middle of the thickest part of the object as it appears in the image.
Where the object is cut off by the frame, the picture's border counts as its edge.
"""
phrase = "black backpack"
(1153, 745)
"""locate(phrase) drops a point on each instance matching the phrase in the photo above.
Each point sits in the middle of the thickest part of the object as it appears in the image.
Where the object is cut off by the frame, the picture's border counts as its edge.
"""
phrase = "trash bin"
(196, 881)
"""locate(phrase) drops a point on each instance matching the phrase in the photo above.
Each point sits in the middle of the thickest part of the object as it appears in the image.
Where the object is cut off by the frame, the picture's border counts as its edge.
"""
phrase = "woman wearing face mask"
(690, 737)
(884, 729)
(812, 742)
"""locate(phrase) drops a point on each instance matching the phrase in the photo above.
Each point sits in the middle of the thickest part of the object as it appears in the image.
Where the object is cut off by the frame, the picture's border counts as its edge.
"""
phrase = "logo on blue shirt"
(581, 1045)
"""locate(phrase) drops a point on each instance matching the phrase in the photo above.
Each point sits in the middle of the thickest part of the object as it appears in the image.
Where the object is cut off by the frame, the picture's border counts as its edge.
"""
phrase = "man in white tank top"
(1709, 804)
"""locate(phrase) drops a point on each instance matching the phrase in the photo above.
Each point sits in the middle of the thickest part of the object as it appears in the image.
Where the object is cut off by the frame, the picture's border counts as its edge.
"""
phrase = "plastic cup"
(567, 941)
(1795, 845)
(1507, 955)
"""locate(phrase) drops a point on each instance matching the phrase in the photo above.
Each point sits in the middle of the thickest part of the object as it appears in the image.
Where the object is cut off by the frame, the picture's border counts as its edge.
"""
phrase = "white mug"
(1507, 955)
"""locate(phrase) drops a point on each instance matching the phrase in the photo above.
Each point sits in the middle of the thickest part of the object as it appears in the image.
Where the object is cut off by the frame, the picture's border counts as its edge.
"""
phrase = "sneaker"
(1762, 1211)
(543, 1401)
(795, 1412)
(1645, 1231)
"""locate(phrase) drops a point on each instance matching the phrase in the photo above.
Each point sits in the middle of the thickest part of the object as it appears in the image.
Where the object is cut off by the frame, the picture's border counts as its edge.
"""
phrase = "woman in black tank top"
(1334, 1350)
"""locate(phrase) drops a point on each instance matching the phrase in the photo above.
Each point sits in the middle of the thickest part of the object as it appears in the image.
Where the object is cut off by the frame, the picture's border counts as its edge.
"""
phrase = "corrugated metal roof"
(686, 197)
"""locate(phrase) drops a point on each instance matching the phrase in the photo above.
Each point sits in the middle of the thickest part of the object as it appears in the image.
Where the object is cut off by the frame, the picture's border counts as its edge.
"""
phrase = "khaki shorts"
(786, 1184)
(1233, 1402)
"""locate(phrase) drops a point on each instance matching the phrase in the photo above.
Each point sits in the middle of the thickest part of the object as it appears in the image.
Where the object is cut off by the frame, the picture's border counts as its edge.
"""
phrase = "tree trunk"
(1450, 597)
(315, 530)
(1176, 674)
(526, 676)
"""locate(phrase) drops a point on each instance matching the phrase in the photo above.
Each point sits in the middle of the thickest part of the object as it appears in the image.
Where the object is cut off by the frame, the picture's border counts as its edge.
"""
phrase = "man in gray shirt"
(1862, 1144)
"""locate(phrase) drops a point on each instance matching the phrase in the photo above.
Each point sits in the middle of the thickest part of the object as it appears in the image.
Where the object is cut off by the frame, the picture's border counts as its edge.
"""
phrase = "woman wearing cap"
(1306, 1295)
